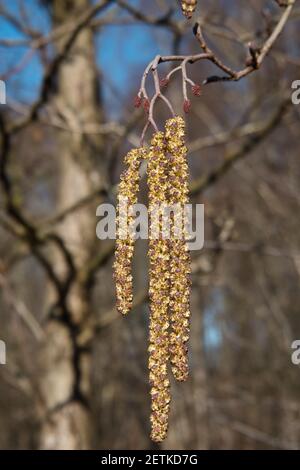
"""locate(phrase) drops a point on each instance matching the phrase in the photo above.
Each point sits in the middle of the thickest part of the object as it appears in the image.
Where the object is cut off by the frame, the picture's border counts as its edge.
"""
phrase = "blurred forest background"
(76, 374)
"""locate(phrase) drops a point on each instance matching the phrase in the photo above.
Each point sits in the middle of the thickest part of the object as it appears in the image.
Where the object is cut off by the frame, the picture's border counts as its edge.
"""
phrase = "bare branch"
(256, 58)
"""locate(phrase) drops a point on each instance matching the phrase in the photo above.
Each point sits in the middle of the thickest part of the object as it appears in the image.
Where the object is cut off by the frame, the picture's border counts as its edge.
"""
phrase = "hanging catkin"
(188, 7)
(169, 262)
(159, 258)
(180, 264)
(127, 194)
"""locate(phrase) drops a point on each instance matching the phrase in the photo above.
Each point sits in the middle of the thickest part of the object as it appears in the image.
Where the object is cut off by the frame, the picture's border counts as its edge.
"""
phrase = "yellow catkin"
(159, 294)
(180, 263)
(188, 7)
(169, 263)
(127, 193)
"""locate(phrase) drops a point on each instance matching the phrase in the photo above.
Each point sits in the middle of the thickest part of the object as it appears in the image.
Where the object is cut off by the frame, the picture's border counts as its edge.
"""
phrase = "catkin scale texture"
(159, 286)
(128, 193)
(188, 7)
(180, 263)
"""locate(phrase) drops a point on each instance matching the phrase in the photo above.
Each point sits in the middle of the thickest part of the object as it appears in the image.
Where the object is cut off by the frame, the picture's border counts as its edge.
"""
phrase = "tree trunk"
(65, 362)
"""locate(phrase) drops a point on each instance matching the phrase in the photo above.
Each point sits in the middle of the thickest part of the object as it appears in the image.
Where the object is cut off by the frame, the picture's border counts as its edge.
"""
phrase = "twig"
(253, 62)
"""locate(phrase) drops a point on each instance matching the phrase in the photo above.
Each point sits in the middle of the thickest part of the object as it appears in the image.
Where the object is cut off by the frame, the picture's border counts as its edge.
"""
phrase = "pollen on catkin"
(169, 261)
(180, 263)
(127, 197)
(159, 258)
(188, 7)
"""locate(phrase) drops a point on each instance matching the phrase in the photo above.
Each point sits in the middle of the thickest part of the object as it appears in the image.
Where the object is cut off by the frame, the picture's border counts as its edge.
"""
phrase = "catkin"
(180, 263)
(159, 258)
(169, 261)
(188, 7)
(127, 194)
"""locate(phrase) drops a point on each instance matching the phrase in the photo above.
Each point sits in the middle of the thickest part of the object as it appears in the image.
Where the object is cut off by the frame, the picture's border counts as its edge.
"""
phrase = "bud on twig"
(137, 101)
(254, 51)
(197, 90)
(164, 82)
(187, 106)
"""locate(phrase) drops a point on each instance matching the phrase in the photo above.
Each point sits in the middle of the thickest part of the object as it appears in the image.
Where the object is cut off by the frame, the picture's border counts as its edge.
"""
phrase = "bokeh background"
(76, 373)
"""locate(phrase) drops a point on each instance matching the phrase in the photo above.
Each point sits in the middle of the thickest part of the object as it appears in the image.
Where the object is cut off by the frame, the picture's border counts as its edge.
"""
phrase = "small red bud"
(187, 106)
(137, 101)
(197, 90)
(164, 82)
(146, 105)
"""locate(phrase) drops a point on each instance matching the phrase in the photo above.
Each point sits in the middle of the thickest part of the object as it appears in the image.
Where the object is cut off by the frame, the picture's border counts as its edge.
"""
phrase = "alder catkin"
(188, 7)
(127, 196)
(169, 261)
(159, 258)
(180, 263)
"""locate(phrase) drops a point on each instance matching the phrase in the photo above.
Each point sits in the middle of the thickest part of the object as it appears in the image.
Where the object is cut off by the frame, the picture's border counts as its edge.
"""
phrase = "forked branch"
(253, 62)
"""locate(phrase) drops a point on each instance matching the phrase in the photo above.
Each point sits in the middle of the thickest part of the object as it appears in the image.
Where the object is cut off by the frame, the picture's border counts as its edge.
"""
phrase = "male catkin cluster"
(179, 255)
(159, 287)
(127, 197)
(188, 7)
(169, 263)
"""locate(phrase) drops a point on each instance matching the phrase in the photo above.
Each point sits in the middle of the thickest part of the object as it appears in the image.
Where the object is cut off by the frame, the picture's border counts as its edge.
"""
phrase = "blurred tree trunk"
(65, 362)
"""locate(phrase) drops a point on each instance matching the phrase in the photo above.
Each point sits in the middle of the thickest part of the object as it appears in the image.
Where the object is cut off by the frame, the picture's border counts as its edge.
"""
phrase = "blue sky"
(21, 86)
(120, 60)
